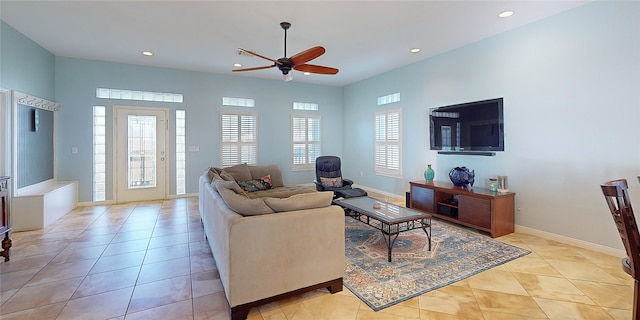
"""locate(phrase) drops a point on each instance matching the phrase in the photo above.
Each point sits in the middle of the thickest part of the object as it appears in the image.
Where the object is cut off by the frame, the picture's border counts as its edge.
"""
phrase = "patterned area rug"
(456, 254)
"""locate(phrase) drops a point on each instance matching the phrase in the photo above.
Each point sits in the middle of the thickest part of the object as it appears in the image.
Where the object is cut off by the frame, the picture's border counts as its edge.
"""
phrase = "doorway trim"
(5, 135)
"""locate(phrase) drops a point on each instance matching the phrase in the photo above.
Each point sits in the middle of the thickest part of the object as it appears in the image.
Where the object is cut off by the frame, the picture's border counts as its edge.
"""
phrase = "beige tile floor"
(150, 261)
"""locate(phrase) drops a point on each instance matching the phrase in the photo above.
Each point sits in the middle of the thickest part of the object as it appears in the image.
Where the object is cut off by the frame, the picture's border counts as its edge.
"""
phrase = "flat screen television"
(468, 127)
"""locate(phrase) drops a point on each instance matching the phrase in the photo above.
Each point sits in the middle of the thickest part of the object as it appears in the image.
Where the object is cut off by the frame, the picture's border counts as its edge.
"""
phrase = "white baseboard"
(571, 241)
(95, 203)
(384, 193)
(179, 196)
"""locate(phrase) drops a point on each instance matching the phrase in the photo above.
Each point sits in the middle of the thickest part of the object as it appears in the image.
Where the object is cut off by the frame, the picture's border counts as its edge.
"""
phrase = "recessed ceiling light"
(415, 50)
(307, 73)
(504, 14)
(147, 53)
(237, 65)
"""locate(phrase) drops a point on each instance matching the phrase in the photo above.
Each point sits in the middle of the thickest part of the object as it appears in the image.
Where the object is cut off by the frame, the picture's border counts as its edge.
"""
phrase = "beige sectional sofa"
(273, 248)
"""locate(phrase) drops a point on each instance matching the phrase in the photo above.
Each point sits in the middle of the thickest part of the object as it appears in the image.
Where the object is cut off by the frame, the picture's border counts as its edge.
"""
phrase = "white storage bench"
(37, 206)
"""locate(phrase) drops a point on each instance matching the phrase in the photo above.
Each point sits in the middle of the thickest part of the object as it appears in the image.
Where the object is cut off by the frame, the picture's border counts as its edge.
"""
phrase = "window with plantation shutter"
(239, 138)
(388, 143)
(305, 138)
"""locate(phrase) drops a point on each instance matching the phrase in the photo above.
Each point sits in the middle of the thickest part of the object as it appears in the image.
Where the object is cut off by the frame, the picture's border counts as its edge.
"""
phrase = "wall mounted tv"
(468, 128)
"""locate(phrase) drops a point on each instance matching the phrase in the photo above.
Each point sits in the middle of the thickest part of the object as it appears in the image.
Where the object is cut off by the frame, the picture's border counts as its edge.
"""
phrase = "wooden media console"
(478, 208)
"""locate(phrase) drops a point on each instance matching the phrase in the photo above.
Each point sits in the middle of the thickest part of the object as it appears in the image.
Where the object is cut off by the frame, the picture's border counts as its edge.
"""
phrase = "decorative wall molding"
(33, 101)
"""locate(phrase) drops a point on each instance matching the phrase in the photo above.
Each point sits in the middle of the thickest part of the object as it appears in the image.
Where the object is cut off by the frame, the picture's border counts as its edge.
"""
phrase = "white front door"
(140, 153)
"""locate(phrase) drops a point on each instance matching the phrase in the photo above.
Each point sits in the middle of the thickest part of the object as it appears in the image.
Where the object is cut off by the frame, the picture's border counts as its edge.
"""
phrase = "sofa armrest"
(276, 253)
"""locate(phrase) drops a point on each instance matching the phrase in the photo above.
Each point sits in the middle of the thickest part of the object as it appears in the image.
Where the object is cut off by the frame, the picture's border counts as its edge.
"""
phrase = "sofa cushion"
(231, 185)
(263, 183)
(300, 201)
(212, 174)
(227, 176)
(283, 192)
(266, 180)
(273, 170)
(252, 186)
(331, 182)
(239, 202)
(240, 172)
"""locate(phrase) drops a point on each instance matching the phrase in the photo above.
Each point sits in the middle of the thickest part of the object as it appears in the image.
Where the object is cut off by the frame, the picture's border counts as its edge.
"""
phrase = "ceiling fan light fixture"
(287, 77)
(237, 65)
(306, 73)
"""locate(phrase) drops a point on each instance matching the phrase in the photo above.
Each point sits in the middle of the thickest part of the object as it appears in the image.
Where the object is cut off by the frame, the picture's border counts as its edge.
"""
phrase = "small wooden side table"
(5, 227)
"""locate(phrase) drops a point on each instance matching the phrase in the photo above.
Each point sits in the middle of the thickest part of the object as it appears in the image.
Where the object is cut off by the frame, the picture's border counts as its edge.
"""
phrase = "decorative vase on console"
(429, 174)
(461, 176)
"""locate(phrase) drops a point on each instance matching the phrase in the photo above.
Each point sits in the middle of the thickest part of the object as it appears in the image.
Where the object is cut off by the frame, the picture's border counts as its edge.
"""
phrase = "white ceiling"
(362, 38)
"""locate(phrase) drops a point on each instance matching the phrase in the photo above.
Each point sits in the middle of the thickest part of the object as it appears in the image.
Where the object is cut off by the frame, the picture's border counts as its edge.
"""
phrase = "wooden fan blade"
(316, 69)
(255, 68)
(307, 55)
(259, 56)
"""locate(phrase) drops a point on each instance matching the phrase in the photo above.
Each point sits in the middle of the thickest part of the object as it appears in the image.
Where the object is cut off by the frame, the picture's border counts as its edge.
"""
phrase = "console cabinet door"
(474, 211)
(422, 199)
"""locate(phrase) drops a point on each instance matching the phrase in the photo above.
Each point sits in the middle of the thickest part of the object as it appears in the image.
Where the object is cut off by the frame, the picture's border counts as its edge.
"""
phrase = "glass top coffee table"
(389, 218)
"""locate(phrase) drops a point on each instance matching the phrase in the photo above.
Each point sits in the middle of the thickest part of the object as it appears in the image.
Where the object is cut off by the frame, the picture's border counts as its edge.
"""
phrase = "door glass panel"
(141, 157)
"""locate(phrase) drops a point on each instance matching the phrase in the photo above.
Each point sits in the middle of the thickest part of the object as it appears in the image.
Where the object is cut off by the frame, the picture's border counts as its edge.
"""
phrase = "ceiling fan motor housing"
(285, 65)
(285, 25)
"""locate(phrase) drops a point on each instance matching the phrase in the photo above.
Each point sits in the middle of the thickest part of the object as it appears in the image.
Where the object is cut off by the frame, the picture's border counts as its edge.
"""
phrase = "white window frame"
(387, 157)
(307, 142)
(99, 153)
(390, 98)
(181, 155)
(241, 138)
(238, 102)
(126, 94)
(305, 106)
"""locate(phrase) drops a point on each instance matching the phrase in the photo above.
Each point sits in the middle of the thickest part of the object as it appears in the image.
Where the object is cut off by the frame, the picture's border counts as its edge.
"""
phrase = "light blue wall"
(28, 68)
(571, 88)
(78, 79)
(24, 65)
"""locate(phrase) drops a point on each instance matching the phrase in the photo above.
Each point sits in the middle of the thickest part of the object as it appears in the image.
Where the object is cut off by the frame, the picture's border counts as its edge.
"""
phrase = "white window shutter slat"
(388, 142)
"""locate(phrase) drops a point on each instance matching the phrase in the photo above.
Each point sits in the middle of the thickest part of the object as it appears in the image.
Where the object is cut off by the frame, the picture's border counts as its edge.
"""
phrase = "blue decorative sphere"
(461, 176)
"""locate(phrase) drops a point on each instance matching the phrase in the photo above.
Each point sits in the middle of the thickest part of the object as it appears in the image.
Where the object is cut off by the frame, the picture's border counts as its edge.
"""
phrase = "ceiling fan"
(295, 62)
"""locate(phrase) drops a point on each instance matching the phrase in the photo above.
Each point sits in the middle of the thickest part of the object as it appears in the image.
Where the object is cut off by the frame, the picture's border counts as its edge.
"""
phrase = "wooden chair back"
(617, 196)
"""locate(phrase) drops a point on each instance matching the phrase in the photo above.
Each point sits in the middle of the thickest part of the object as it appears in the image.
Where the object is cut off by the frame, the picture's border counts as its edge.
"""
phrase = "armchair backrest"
(617, 197)
(328, 167)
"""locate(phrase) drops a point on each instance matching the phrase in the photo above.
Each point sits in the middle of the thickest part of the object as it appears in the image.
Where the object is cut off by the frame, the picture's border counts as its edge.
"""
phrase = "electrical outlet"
(74, 150)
